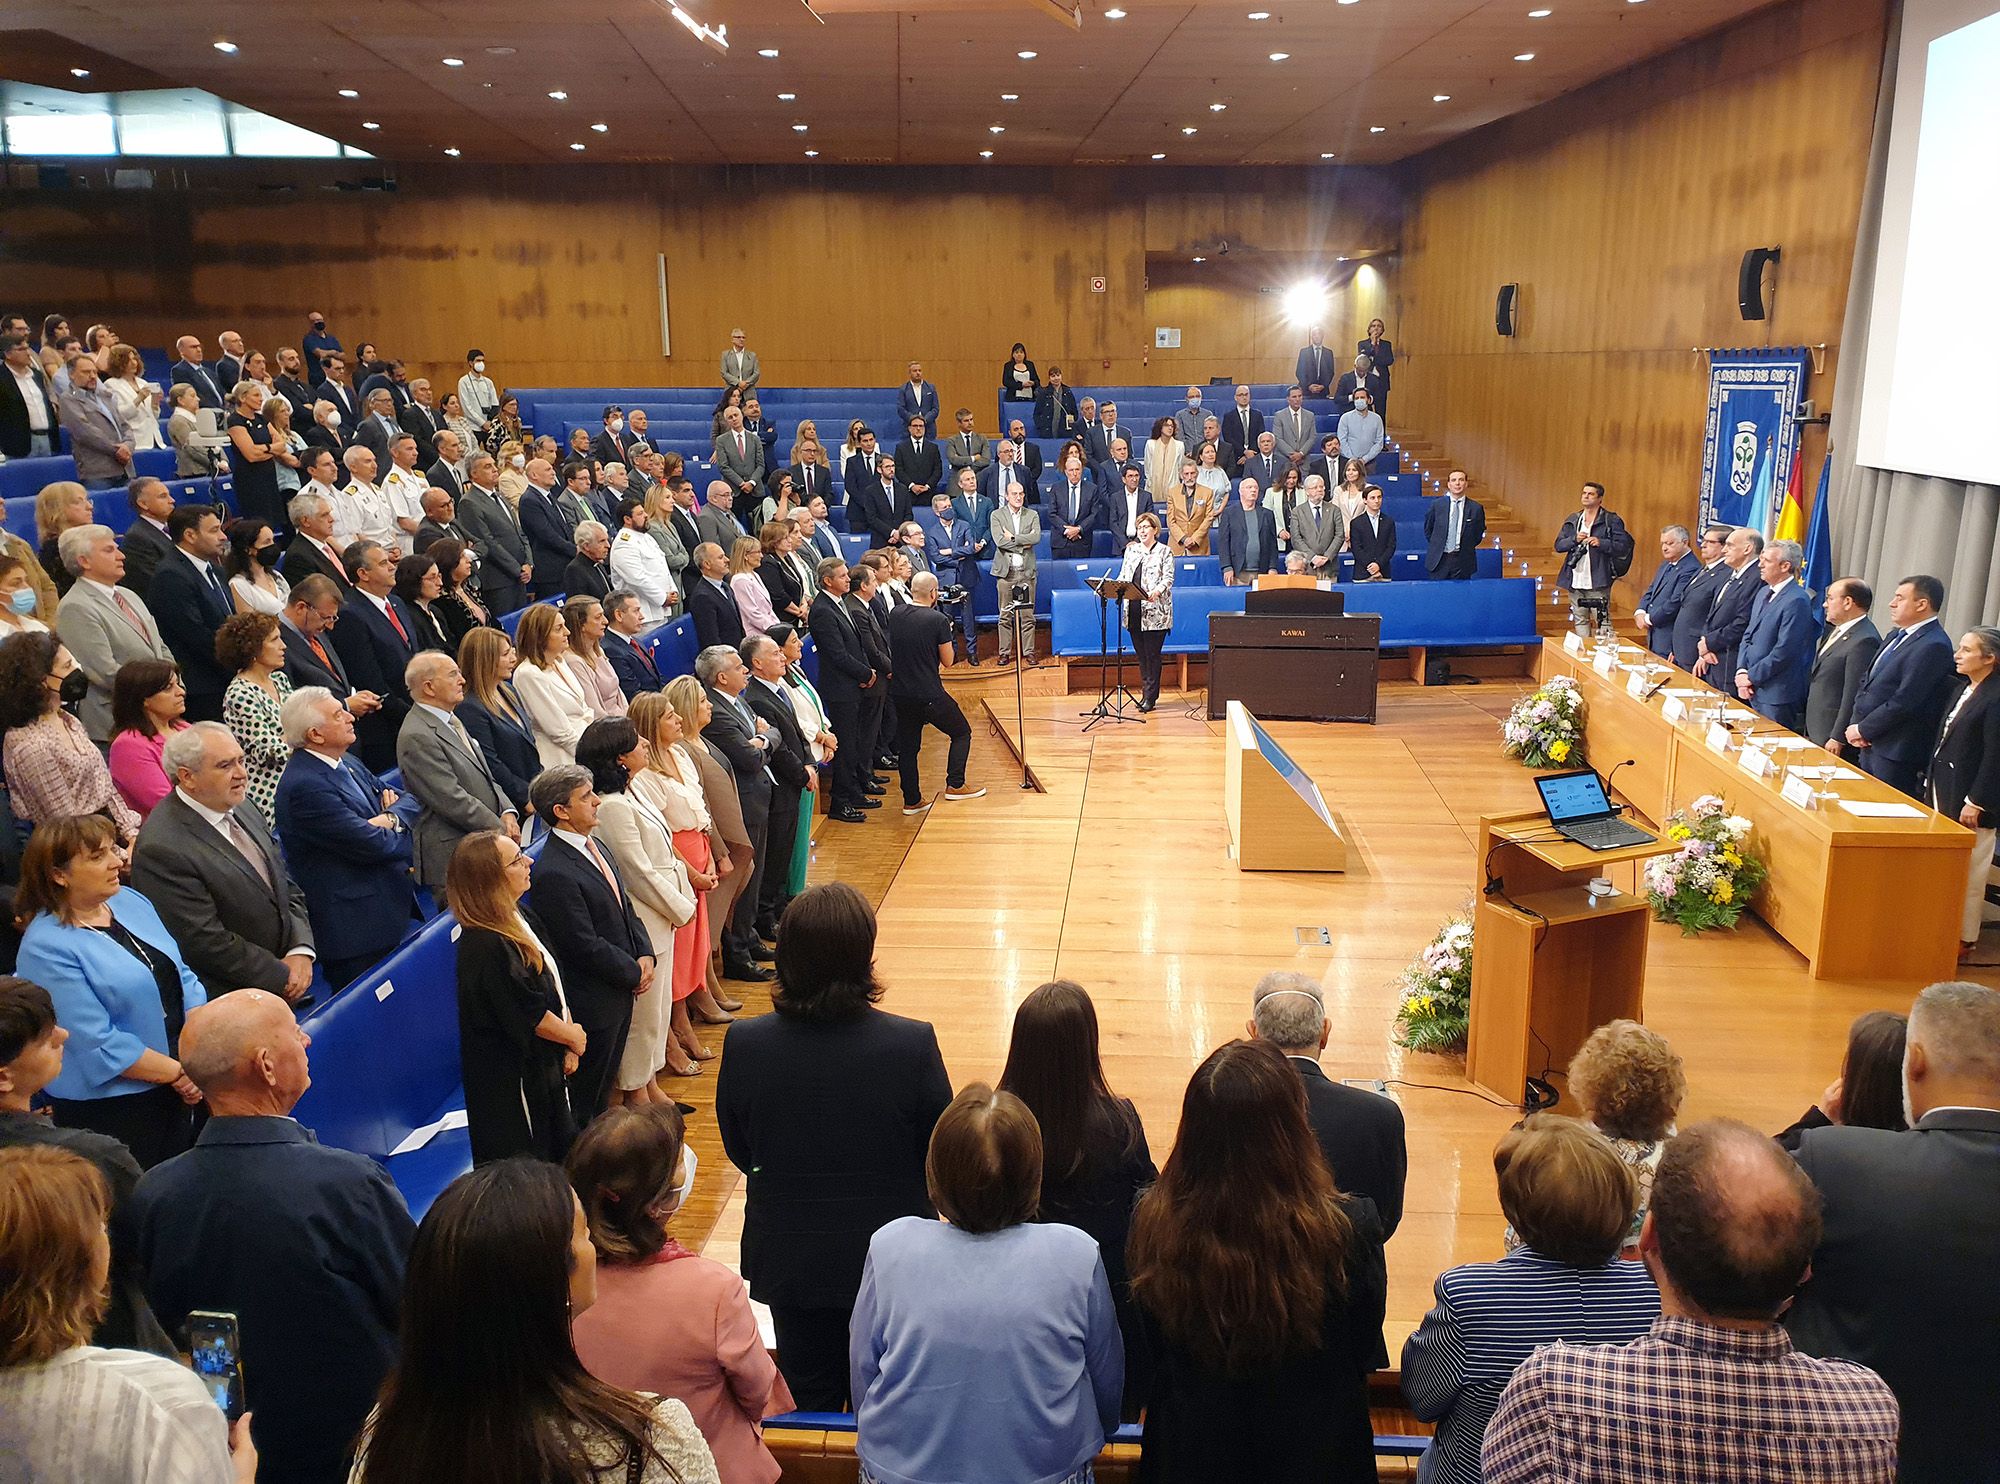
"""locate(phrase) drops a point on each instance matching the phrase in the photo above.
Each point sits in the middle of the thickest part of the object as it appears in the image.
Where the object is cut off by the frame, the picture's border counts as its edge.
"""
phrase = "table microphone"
(1616, 808)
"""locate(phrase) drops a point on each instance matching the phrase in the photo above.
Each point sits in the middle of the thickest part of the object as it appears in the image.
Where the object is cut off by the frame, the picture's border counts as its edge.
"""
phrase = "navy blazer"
(551, 539)
(304, 667)
(1085, 514)
(858, 473)
(1232, 543)
(717, 620)
(989, 483)
(509, 746)
(920, 465)
(1240, 442)
(1727, 618)
(632, 664)
(306, 1245)
(1111, 512)
(953, 536)
(731, 736)
(1437, 531)
(1314, 367)
(1902, 702)
(1696, 601)
(375, 655)
(205, 380)
(303, 560)
(188, 612)
(356, 876)
(843, 660)
(1778, 645)
(1097, 442)
(1367, 546)
(596, 937)
(1662, 600)
(918, 400)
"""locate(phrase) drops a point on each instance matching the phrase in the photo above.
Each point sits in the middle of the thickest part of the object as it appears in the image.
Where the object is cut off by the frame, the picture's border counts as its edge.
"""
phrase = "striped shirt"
(110, 1417)
(1491, 1316)
(1692, 1403)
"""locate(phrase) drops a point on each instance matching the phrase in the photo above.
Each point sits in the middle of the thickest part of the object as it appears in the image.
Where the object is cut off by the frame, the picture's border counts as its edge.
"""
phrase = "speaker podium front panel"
(1278, 819)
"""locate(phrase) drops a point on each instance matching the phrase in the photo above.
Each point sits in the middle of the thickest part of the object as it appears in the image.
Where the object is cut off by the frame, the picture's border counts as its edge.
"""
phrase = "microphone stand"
(1011, 615)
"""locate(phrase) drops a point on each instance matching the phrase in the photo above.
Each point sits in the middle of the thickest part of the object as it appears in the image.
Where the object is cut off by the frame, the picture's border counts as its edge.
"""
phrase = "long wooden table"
(1861, 898)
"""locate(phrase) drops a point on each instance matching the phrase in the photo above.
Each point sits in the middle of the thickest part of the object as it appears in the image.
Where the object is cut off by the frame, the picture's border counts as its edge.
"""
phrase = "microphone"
(1616, 808)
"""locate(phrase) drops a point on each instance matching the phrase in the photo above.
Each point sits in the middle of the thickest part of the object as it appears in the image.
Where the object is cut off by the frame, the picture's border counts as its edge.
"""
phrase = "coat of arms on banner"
(1743, 458)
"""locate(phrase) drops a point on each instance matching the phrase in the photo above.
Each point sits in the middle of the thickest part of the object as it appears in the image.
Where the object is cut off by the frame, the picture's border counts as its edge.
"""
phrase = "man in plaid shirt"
(1715, 1392)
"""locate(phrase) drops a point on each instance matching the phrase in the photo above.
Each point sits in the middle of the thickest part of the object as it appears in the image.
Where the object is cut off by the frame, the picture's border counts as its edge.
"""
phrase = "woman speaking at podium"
(1151, 565)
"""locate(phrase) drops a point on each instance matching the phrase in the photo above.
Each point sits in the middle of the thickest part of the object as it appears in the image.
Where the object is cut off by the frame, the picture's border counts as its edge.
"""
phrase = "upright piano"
(1295, 654)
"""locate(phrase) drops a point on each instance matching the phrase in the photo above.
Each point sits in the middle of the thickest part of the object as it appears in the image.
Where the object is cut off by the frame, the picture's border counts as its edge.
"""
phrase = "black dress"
(1303, 1421)
(516, 1098)
(458, 618)
(257, 493)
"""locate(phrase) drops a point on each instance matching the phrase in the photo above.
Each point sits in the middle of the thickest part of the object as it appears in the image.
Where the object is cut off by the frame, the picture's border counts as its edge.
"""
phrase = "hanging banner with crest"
(1752, 435)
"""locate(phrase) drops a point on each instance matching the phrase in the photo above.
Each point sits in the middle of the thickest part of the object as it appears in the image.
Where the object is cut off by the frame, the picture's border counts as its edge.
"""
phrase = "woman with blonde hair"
(517, 1040)
(513, 459)
(555, 698)
(670, 784)
(853, 444)
(753, 599)
(136, 399)
(733, 853)
(660, 526)
(59, 507)
(190, 462)
(584, 617)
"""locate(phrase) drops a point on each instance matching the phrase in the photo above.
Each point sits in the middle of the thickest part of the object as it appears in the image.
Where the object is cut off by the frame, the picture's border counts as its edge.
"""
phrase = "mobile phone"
(216, 1352)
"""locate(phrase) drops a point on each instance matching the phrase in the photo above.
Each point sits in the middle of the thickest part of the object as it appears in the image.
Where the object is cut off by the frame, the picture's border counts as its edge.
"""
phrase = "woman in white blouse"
(1210, 473)
(548, 687)
(1164, 451)
(252, 564)
(136, 399)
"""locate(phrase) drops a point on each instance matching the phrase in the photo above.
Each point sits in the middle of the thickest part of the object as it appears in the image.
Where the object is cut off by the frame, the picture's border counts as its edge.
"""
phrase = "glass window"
(43, 133)
(171, 124)
(261, 136)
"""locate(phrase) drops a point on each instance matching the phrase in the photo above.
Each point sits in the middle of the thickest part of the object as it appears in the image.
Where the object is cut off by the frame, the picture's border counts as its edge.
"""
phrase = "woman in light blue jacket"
(120, 986)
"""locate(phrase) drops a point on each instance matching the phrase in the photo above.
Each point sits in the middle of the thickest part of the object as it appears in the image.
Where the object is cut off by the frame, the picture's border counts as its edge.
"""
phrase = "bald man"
(304, 1244)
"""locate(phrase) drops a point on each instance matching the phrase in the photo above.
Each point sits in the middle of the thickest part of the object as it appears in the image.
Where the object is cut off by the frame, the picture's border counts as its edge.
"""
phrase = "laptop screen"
(1572, 796)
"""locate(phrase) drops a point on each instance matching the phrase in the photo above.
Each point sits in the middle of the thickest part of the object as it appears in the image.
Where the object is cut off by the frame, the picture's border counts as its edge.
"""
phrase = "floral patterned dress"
(249, 711)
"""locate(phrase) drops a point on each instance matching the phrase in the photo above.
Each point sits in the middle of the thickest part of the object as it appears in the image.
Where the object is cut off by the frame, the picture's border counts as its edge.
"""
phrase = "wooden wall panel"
(1623, 211)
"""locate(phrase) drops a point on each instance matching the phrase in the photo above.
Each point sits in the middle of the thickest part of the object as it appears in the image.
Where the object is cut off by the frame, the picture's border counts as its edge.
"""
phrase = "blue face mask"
(22, 601)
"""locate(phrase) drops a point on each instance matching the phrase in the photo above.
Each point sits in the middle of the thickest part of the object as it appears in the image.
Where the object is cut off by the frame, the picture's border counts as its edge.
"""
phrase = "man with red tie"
(374, 644)
(631, 661)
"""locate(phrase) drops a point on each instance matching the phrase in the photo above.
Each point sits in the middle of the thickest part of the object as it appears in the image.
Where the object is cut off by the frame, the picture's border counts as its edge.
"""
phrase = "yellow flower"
(1731, 858)
(1679, 832)
(1559, 750)
(1722, 893)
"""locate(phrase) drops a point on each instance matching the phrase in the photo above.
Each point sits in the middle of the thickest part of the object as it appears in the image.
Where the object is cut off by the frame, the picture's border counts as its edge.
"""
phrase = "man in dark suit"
(550, 528)
(681, 515)
(1074, 512)
(790, 762)
(229, 365)
(1314, 368)
(863, 606)
(1660, 604)
(310, 657)
(590, 925)
(1363, 378)
(919, 467)
(1903, 698)
(441, 523)
(375, 639)
(879, 507)
(189, 370)
(1902, 1279)
(717, 620)
(146, 540)
(190, 602)
(337, 389)
(1371, 540)
(1327, 463)
(1246, 537)
(746, 740)
(631, 660)
(1840, 662)
(1266, 465)
(443, 472)
(587, 574)
(1775, 659)
(817, 539)
(206, 859)
(611, 445)
(351, 853)
(917, 398)
(392, 377)
(1100, 435)
(845, 677)
(421, 420)
(496, 533)
(1699, 598)
(28, 421)
(1109, 473)
(291, 385)
(304, 1243)
(862, 466)
(1124, 505)
(1240, 426)
(1454, 525)
(1729, 615)
(311, 552)
(1030, 459)
(1007, 468)
(445, 770)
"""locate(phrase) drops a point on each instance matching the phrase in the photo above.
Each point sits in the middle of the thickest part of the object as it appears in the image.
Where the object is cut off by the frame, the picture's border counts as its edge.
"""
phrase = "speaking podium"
(1278, 819)
(1550, 961)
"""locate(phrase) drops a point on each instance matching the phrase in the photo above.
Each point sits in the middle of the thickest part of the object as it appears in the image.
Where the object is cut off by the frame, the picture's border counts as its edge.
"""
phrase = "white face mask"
(1194, 402)
(617, 424)
(519, 461)
(332, 418)
(480, 367)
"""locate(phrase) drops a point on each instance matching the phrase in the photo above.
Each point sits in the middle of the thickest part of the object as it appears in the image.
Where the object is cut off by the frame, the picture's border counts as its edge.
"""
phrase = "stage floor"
(1118, 876)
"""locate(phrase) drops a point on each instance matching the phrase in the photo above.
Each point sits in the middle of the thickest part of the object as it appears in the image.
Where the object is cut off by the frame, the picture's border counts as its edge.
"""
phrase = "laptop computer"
(1579, 810)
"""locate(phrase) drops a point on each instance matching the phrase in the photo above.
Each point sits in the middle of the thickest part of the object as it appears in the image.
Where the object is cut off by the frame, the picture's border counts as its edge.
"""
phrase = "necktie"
(131, 614)
(1883, 653)
(739, 445)
(1457, 509)
(402, 633)
(247, 848)
(216, 583)
(610, 877)
(644, 658)
(313, 640)
(968, 443)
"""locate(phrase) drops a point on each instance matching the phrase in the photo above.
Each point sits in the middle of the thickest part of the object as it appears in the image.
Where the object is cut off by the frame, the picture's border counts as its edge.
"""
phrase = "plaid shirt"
(1692, 1403)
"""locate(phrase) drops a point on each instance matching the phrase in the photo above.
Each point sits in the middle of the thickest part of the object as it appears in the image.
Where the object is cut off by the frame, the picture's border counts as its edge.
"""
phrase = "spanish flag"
(1791, 522)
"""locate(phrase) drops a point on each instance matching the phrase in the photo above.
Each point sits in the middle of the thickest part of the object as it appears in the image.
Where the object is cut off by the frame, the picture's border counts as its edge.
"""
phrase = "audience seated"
(496, 716)
(1569, 1196)
(100, 623)
(667, 1322)
(1715, 1390)
(206, 858)
(488, 1384)
(1095, 1161)
(518, 1043)
(305, 1244)
(1902, 1275)
(52, 770)
(827, 1107)
(985, 1345)
(1868, 1093)
(348, 849)
(68, 1409)
(1262, 1287)
(251, 648)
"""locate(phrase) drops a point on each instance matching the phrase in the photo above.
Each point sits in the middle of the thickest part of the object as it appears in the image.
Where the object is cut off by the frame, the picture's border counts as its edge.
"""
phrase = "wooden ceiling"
(920, 83)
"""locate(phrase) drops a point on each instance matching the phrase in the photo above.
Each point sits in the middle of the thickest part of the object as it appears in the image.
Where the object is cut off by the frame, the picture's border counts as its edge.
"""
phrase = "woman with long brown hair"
(495, 714)
(517, 1042)
(1262, 1288)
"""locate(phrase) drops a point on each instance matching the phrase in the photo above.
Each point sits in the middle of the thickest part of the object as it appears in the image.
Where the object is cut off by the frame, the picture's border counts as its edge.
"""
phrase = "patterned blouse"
(54, 770)
(1153, 570)
(249, 712)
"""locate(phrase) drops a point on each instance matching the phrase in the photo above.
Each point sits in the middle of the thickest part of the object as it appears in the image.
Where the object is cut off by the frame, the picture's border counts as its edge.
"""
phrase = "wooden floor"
(1118, 876)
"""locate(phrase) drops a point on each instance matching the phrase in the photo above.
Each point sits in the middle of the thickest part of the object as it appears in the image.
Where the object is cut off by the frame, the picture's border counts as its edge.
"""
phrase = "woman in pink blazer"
(667, 1321)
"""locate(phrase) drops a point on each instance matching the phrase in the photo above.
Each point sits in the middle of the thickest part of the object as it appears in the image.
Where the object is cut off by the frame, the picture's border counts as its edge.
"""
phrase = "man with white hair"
(1774, 661)
(1902, 1279)
(717, 521)
(587, 574)
(1361, 1133)
(363, 511)
(1318, 529)
(355, 867)
(445, 769)
(739, 363)
(102, 624)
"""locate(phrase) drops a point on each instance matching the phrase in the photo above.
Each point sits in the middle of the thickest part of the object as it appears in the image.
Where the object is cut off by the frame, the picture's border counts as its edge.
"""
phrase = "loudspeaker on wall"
(1504, 308)
(1750, 281)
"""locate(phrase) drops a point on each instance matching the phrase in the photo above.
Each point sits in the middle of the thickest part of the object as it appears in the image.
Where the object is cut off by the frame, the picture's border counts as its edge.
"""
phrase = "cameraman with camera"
(1597, 551)
(919, 648)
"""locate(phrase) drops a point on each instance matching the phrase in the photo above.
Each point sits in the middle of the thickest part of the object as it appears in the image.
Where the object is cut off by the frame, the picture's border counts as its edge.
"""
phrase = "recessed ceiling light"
(1327, 156)
(1341, 259)
(788, 97)
(1201, 260)
(452, 61)
(986, 154)
(371, 124)
(1349, 2)
(79, 72)
(1010, 97)
(227, 48)
(1524, 56)
(1217, 107)
(1281, 56)
(769, 51)
(1114, 14)
(1540, 15)
(600, 128)
(1260, 15)
(1377, 129)
(1188, 130)
(1027, 56)
(798, 128)
(560, 96)
(1440, 97)
(996, 128)
(349, 93)
(812, 154)
(499, 51)
(453, 150)
(1159, 156)
(577, 147)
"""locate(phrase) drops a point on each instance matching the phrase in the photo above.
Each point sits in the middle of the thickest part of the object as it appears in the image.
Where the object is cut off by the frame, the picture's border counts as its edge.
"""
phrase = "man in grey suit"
(717, 522)
(747, 741)
(1295, 431)
(967, 449)
(444, 769)
(1016, 530)
(504, 568)
(102, 624)
(1317, 528)
(1841, 662)
(739, 455)
(206, 859)
(96, 436)
(739, 365)
(1902, 1280)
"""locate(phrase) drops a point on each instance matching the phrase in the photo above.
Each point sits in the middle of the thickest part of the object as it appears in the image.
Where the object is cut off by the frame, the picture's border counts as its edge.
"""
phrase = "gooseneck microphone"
(1616, 808)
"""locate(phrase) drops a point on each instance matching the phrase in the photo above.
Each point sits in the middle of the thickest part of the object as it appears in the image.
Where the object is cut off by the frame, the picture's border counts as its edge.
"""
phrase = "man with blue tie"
(1453, 528)
(948, 542)
(1660, 604)
(190, 603)
(188, 370)
(1729, 615)
(1774, 662)
(1076, 512)
(1902, 703)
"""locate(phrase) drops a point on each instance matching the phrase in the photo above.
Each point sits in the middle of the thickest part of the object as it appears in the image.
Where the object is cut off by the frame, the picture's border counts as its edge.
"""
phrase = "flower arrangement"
(1706, 882)
(1545, 728)
(1434, 1008)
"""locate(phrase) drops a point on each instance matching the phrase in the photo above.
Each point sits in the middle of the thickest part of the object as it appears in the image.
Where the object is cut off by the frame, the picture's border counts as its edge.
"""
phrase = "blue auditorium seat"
(20, 518)
(19, 477)
(673, 646)
(154, 463)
